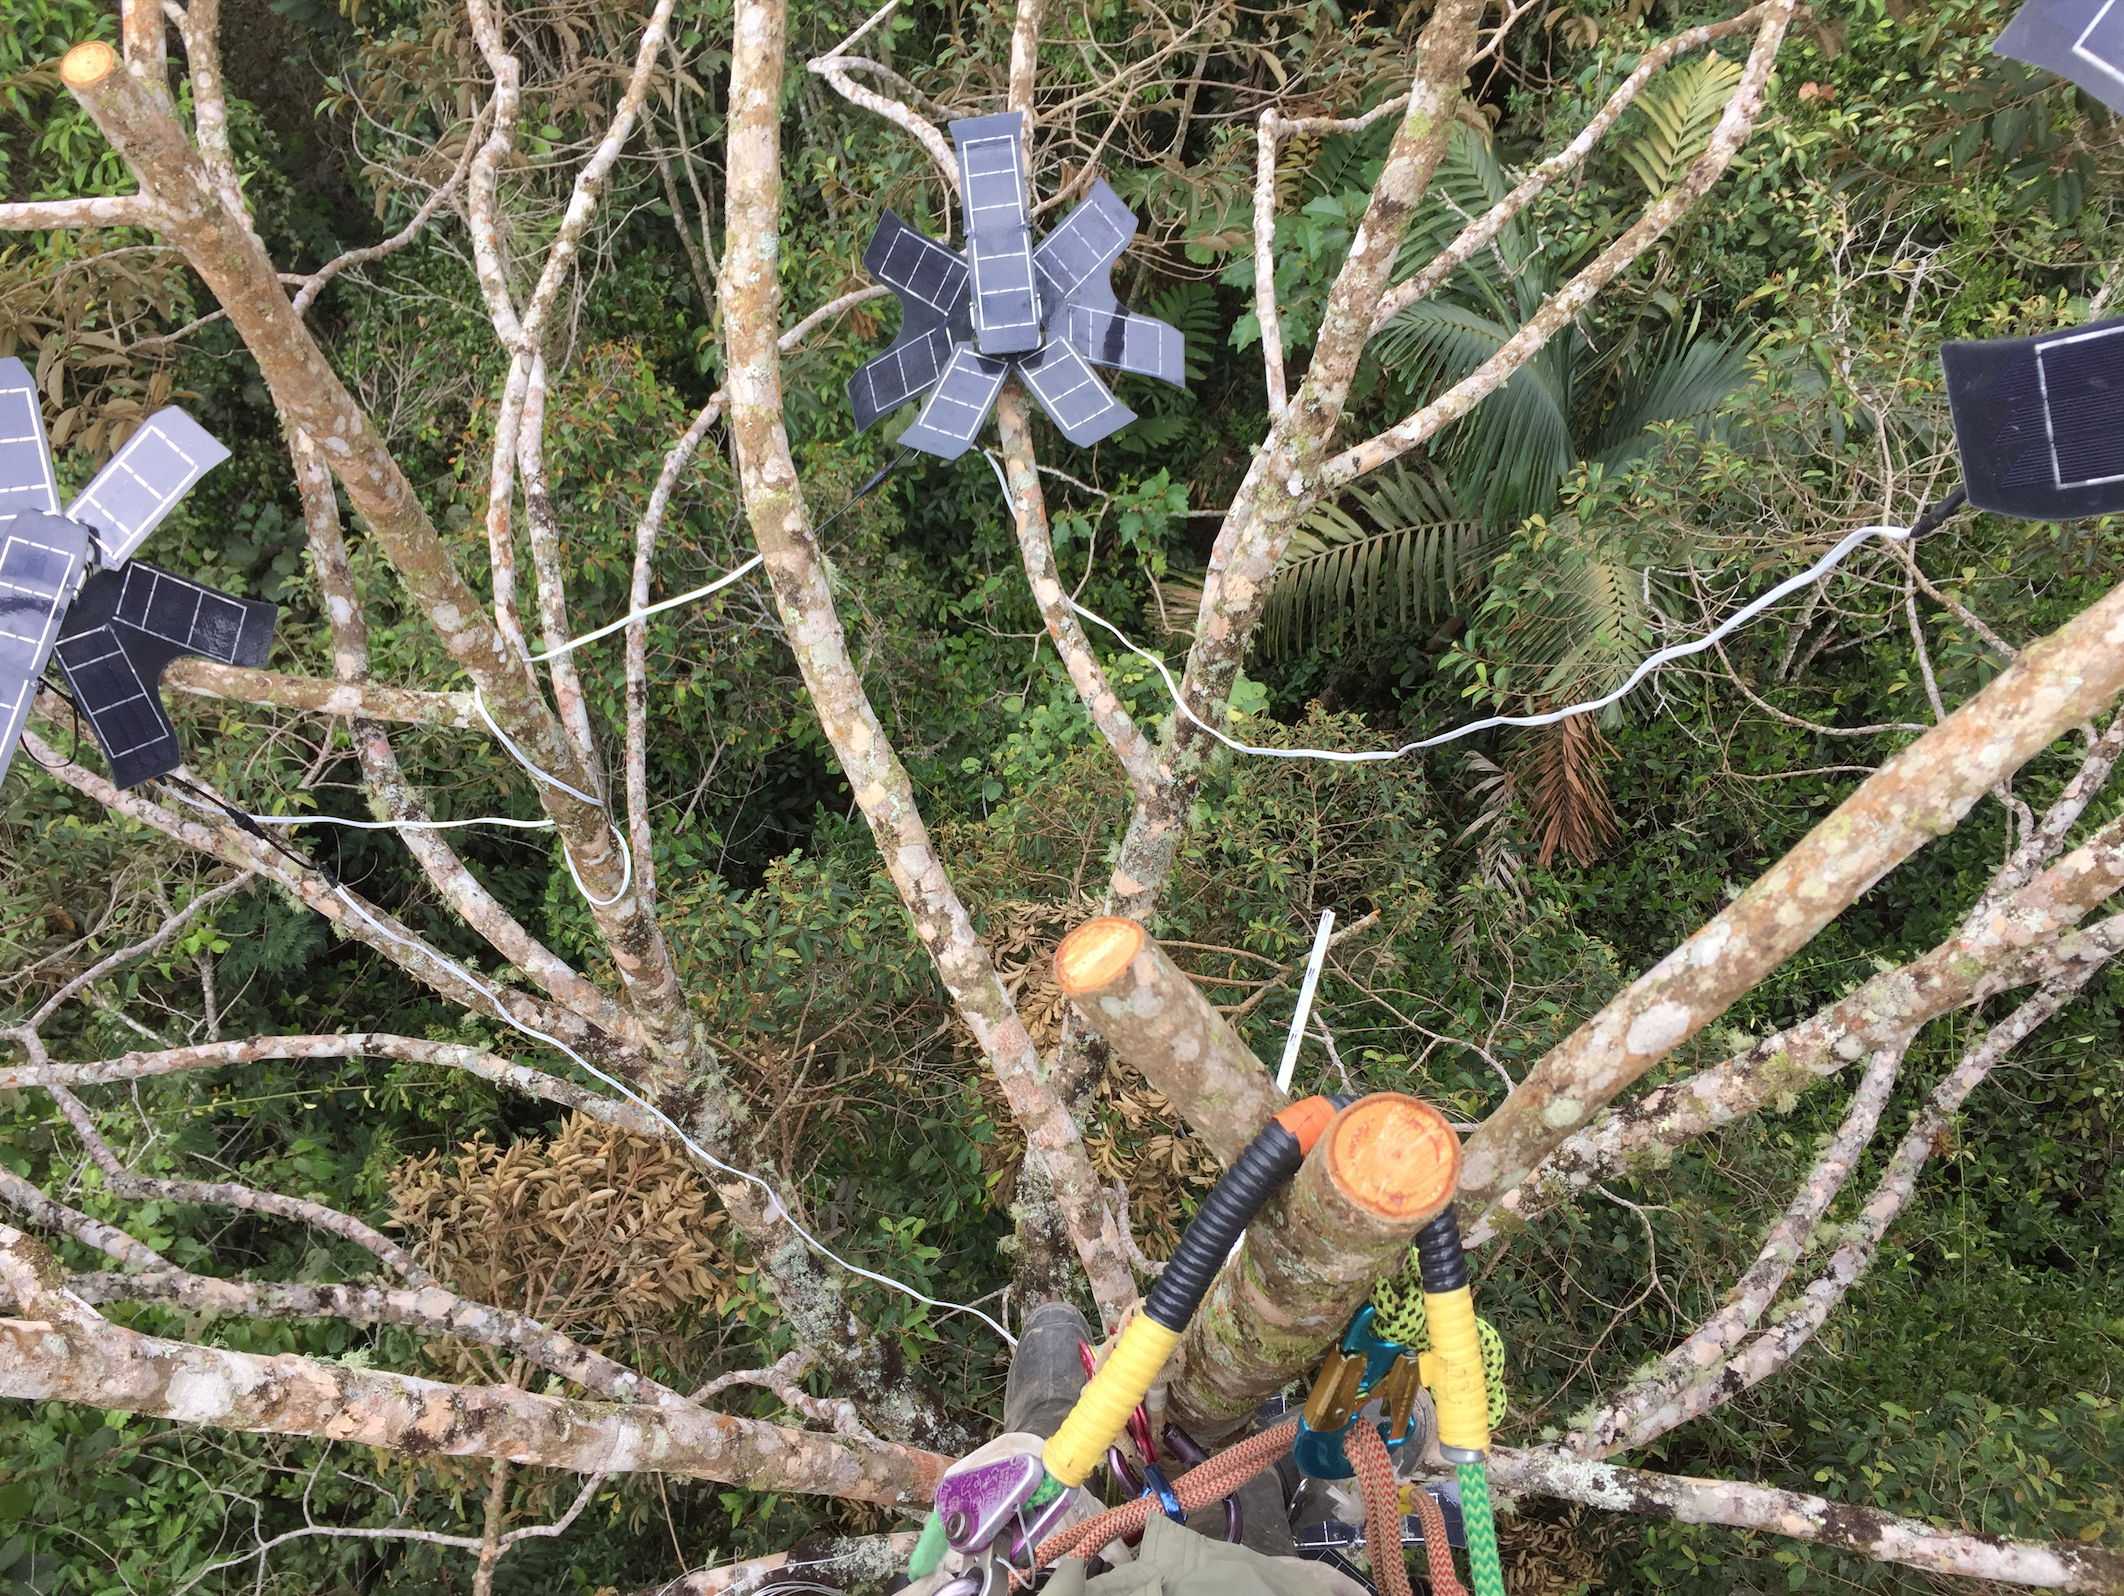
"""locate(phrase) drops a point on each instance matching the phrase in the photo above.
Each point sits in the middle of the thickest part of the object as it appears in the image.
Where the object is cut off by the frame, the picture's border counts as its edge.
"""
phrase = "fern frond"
(1192, 308)
(1680, 109)
(1406, 564)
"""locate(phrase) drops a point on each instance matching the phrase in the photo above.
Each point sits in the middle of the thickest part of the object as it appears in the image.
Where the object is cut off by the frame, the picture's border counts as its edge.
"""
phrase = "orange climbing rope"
(1219, 1476)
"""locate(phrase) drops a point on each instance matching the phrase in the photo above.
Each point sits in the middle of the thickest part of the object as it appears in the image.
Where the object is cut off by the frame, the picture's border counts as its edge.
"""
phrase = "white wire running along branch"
(657, 608)
(501, 1012)
(1645, 667)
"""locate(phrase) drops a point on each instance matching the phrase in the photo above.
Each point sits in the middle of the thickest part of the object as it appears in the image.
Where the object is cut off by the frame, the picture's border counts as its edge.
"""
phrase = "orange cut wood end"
(87, 64)
(1097, 951)
(1394, 1157)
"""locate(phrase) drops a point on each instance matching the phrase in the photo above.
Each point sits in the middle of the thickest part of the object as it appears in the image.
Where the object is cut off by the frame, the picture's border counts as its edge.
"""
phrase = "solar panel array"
(1006, 306)
(1075, 400)
(2036, 421)
(955, 411)
(123, 632)
(27, 481)
(1049, 311)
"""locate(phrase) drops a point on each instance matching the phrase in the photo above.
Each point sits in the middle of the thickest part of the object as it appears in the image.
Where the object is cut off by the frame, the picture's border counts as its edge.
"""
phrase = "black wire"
(245, 823)
(866, 489)
(1930, 518)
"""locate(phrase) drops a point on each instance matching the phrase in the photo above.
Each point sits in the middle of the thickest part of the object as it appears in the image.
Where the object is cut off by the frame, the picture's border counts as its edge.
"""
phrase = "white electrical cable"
(1645, 667)
(502, 1013)
(524, 759)
(630, 618)
(1306, 987)
(626, 872)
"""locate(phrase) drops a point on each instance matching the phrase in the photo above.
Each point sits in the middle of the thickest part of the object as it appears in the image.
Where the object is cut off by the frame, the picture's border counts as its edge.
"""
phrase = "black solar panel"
(2078, 39)
(2039, 421)
(954, 413)
(1076, 401)
(41, 558)
(1006, 305)
(1128, 342)
(130, 497)
(26, 479)
(881, 386)
(915, 266)
(1086, 245)
(120, 636)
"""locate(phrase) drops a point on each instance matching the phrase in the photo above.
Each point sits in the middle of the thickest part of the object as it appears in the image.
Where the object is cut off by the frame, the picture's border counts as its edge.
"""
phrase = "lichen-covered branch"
(1129, 990)
(775, 507)
(204, 678)
(1923, 792)
(229, 1194)
(102, 210)
(69, 1353)
(1744, 1305)
(1864, 1530)
(1281, 483)
(2027, 939)
(1479, 234)
(1562, 307)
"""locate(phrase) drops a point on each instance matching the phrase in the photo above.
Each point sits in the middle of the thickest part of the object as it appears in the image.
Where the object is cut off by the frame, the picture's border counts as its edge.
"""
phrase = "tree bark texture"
(2028, 937)
(2055, 685)
(71, 1354)
(1278, 489)
(1866, 1531)
(1129, 990)
(775, 506)
(1380, 1172)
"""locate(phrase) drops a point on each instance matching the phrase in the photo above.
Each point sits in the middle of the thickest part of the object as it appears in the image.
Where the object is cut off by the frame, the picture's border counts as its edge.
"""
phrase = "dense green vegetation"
(1764, 379)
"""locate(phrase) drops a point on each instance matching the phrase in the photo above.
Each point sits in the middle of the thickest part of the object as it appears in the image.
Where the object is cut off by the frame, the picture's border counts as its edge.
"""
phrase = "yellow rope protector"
(1103, 1408)
(1453, 1371)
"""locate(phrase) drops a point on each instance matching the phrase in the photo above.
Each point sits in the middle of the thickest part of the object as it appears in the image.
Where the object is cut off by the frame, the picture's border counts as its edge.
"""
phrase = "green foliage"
(1679, 109)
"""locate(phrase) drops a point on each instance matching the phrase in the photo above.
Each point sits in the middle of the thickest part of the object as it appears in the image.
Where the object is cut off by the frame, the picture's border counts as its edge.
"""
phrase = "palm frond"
(1509, 453)
(1401, 566)
(1690, 385)
(1557, 769)
(1681, 109)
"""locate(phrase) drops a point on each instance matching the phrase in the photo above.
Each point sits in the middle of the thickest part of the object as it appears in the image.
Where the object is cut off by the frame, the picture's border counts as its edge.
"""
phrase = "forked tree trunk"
(1384, 1169)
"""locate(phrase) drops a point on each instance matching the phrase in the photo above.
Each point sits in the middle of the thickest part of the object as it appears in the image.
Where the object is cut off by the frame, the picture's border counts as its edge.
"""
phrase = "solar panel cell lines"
(954, 413)
(26, 478)
(1006, 307)
(916, 266)
(132, 495)
(1075, 400)
(1086, 245)
(41, 557)
(2081, 379)
(124, 712)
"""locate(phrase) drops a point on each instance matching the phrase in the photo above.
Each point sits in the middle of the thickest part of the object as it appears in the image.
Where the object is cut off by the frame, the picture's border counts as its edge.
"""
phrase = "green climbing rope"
(1398, 1315)
(1485, 1571)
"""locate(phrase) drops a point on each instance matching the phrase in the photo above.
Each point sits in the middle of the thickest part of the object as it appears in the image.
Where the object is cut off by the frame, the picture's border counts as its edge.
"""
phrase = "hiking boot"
(1046, 1372)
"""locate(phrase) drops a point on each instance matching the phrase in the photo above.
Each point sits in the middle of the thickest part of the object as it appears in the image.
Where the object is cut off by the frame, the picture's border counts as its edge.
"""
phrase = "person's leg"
(1046, 1372)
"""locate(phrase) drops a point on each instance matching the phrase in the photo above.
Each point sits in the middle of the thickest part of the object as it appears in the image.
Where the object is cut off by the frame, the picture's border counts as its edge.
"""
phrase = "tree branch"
(1139, 759)
(1814, 1519)
(1921, 793)
(1567, 302)
(103, 210)
(1479, 234)
(100, 1364)
(774, 505)
(204, 678)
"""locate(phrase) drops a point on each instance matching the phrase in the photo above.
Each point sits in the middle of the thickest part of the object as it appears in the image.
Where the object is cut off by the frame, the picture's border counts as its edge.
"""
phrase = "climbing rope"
(1207, 1482)
(1398, 1315)
(1382, 1520)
